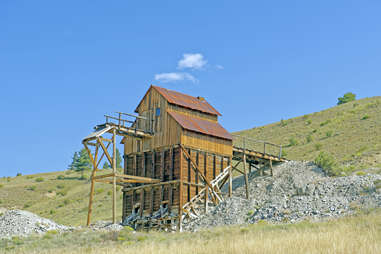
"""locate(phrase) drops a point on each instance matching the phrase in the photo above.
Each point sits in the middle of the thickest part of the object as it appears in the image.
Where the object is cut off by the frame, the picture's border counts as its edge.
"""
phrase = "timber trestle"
(177, 159)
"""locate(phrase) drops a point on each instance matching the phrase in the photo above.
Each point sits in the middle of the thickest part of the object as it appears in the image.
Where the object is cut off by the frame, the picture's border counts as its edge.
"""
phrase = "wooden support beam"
(271, 168)
(196, 168)
(171, 169)
(147, 186)
(103, 176)
(106, 139)
(230, 180)
(206, 199)
(246, 179)
(114, 178)
(142, 179)
(152, 197)
(103, 154)
(141, 202)
(92, 185)
(105, 151)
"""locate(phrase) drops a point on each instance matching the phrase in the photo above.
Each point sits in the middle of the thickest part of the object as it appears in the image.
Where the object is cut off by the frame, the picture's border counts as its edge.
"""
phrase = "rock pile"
(24, 223)
(297, 191)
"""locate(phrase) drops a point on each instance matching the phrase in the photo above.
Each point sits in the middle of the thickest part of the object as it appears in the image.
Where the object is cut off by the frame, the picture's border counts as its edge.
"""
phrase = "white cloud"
(175, 76)
(220, 67)
(193, 61)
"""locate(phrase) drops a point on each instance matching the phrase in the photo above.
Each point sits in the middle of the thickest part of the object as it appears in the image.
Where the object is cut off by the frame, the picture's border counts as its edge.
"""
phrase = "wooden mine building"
(177, 157)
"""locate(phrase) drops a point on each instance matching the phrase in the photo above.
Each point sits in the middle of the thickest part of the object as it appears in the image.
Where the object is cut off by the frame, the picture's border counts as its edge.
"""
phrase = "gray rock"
(297, 191)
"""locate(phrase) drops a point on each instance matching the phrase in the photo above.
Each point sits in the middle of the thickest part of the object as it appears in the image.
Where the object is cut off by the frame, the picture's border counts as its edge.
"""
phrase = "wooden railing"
(261, 146)
(130, 121)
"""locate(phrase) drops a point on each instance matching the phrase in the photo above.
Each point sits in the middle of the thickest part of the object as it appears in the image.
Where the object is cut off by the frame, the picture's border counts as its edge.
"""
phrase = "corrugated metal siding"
(201, 126)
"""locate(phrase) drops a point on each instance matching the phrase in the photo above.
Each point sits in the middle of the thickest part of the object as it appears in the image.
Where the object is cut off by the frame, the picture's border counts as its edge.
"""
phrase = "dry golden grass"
(355, 234)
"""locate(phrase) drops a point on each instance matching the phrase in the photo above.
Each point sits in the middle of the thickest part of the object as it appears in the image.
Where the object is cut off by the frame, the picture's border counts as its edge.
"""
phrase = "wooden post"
(230, 181)
(114, 177)
(206, 199)
(90, 199)
(271, 167)
(246, 179)
(93, 160)
(180, 211)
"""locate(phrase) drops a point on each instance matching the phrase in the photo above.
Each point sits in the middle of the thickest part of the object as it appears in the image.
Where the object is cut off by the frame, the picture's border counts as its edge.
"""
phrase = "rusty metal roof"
(187, 101)
(201, 126)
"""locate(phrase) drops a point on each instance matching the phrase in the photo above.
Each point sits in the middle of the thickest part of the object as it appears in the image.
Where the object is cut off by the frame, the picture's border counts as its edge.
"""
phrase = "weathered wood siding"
(206, 142)
(167, 166)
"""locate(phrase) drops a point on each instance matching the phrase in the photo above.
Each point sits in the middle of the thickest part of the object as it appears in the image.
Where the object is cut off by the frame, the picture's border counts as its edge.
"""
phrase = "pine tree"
(84, 161)
(106, 166)
(74, 164)
(118, 159)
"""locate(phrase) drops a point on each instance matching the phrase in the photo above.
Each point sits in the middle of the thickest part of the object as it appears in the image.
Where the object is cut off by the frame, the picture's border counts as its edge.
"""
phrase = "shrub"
(8, 179)
(67, 201)
(26, 205)
(60, 186)
(293, 142)
(39, 179)
(29, 177)
(326, 162)
(99, 191)
(346, 98)
(62, 193)
(18, 174)
(61, 177)
(318, 146)
(1, 185)
(308, 122)
(329, 133)
(325, 122)
(283, 123)
(17, 240)
(52, 211)
(377, 184)
(31, 188)
(360, 173)
(309, 138)
(365, 117)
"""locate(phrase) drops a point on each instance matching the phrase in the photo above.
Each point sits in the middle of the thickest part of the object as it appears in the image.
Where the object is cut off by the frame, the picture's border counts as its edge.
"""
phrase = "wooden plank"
(147, 186)
(142, 179)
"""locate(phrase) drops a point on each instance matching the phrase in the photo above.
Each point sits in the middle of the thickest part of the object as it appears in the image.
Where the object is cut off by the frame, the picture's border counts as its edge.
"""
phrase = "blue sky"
(64, 64)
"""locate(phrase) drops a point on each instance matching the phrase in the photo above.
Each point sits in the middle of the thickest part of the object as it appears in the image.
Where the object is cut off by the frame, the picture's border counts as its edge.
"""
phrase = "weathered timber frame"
(112, 178)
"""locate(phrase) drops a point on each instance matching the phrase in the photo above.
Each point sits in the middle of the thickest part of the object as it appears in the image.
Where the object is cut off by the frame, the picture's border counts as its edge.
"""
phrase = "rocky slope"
(297, 191)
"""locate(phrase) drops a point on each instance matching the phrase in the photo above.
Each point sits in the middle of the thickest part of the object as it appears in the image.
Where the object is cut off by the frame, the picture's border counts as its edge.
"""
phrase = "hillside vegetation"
(353, 234)
(62, 196)
(351, 132)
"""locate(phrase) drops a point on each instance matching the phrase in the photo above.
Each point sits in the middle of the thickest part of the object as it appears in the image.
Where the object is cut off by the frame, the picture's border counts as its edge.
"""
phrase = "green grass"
(350, 132)
(63, 200)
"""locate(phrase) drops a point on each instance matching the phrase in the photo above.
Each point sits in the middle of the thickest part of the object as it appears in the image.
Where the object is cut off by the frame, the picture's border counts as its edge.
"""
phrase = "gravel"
(23, 223)
(297, 191)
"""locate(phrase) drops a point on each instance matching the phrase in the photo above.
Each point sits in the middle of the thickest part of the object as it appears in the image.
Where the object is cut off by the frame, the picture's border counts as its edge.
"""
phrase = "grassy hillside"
(351, 132)
(60, 196)
(354, 234)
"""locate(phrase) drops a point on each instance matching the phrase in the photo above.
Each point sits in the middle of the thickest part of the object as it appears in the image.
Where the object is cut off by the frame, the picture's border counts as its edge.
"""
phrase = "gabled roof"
(184, 100)
(200, 125)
